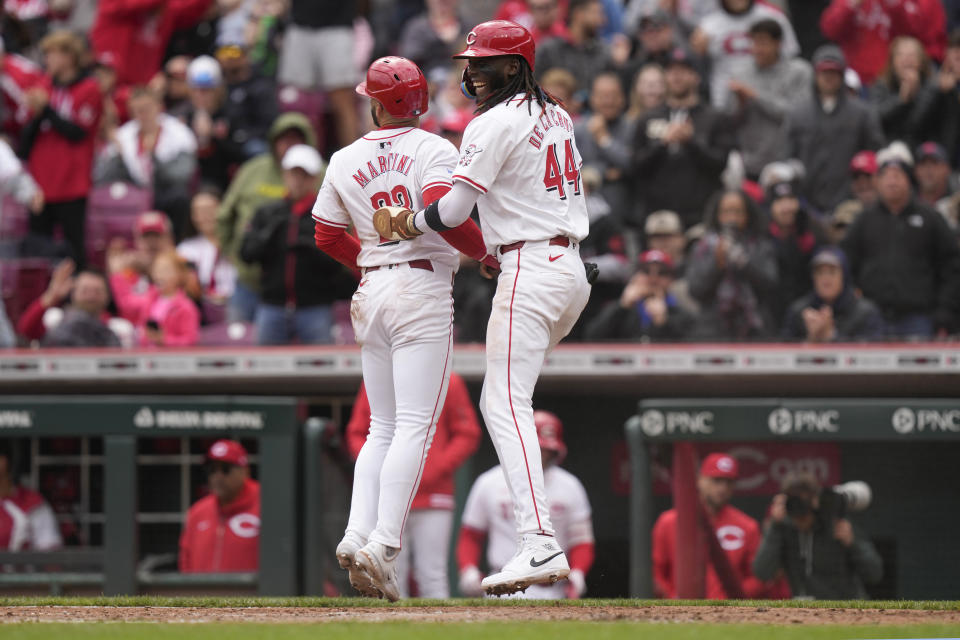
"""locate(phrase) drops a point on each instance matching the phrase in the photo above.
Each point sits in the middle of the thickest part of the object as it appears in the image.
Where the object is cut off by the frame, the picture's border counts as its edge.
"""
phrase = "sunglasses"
(219, 467)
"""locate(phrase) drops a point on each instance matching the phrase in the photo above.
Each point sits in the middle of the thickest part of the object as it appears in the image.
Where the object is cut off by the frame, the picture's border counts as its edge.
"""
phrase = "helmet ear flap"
(466, 86)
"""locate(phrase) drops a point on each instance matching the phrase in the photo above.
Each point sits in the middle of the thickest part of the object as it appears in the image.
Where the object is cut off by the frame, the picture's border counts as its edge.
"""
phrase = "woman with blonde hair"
(164, 315)
(907, 95)
(648, 91)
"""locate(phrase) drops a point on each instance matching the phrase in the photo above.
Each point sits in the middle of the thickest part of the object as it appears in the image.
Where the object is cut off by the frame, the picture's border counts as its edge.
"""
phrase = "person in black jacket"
(681, 147)
(251, 100)
(646, 311)
(828, 130)
(903, 255)
(298, 281)
(832, 312)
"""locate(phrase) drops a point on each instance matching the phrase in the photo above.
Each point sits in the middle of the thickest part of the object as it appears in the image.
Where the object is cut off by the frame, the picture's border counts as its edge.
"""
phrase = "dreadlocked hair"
(524, 83)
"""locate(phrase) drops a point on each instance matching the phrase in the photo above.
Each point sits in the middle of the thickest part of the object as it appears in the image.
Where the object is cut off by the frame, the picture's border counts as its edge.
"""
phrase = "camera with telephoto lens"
(834, 502)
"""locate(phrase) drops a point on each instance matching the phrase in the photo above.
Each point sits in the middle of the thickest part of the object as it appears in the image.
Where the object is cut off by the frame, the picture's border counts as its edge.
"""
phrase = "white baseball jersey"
(489, 508)
(525, 162)
(388, 167)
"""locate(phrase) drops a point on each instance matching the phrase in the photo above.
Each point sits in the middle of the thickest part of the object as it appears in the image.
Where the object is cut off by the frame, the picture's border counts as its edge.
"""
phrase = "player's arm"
(331, 221)
(752, 586)
(469, 549)
(662, 559)
(460, 421)
(359, 425)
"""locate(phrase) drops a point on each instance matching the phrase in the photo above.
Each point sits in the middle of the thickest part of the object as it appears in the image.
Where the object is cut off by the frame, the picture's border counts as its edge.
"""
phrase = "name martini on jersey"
(392, 162)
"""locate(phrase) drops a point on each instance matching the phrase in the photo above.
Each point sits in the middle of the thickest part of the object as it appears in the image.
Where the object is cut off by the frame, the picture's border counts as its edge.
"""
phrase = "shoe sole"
(522, 584)
(371, 568)
(359, 580)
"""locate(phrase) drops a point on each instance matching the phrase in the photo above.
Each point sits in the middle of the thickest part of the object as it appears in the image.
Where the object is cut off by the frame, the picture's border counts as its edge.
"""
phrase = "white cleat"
(540, 560)
(346, 556)
(379, 563)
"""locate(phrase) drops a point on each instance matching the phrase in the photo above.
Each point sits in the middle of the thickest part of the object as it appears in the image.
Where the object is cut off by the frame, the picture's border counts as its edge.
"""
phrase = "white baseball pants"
(403, 319)
(426, 553)
(540, 293)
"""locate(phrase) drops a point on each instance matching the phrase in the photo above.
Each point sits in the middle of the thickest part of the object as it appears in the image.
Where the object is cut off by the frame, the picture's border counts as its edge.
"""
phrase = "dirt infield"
(448, 614)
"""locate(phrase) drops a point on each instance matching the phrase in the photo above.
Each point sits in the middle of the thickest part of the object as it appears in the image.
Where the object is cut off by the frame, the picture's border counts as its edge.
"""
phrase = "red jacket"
(219, 539)
(137, 32)
(457, 437)
(60, 139)
(17, 74)
(739, 535)
(179, 320)
(864, 33)
(30, 325)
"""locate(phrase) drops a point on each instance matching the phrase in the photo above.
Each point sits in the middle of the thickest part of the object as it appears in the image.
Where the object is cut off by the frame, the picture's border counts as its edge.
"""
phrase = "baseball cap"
(662, 223)
(204, 73)
(152, 222)
(106, 59)
(931, 151)
(656, 18)
(827, 255)
(829, 57)
(896, 154)
(456, 121)
(655, 256)
(864, 162)
(229, 451)
(681, 56)
(303, 156)
(720, 465)
(781, 190)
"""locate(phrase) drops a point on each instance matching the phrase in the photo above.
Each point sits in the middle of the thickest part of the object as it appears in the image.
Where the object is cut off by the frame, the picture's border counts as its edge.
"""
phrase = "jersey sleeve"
(329, 208)
(437, 159)
(483, 151)
(44, 530)
(475, 513)
(579, 502)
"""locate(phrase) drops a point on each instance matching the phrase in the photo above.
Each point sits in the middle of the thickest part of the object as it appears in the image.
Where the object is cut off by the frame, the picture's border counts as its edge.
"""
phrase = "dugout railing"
(291, 491)
(861, 422)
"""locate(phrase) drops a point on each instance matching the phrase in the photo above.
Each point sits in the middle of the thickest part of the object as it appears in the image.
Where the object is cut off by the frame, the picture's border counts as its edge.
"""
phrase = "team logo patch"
(471, 38)
(468, 154)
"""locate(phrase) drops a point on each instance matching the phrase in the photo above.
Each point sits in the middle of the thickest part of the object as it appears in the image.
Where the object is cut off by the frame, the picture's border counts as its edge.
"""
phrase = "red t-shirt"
(739, 536)
(219, 539)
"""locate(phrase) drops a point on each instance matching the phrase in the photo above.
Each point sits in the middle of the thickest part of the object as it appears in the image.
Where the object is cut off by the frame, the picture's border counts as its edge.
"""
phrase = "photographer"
(819, 550)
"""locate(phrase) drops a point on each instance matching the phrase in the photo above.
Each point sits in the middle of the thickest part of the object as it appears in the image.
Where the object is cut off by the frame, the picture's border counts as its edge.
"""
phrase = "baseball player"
(430, 522)
(489, 514)
(520, 166)
(402, 310)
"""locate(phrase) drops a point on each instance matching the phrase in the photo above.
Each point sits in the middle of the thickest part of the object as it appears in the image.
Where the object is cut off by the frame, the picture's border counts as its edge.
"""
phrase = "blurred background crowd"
(755, 171)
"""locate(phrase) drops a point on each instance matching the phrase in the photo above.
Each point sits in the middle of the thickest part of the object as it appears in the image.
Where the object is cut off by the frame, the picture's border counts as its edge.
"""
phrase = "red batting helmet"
(550, 433)
(499, 38)
(398, 84)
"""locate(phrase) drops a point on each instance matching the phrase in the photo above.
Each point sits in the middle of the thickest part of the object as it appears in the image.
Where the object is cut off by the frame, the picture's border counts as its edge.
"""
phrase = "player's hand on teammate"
(470, 583)
(489, 267)
(576, 585)
(395, 223)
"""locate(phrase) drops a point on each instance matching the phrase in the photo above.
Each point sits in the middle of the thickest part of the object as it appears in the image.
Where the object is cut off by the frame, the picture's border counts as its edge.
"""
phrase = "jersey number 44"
(554, 178)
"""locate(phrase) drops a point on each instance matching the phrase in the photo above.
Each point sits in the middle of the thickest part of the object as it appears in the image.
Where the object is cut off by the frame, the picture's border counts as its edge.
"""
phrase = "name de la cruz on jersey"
(548, 119)
(392, 162)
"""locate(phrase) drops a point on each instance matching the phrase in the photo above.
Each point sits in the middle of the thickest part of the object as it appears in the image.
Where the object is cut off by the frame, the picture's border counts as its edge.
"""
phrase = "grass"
(323, 602)
(482, 631)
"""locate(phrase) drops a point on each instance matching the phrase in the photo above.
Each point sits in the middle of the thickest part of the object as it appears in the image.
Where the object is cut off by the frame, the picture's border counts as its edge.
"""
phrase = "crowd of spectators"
(755, 170)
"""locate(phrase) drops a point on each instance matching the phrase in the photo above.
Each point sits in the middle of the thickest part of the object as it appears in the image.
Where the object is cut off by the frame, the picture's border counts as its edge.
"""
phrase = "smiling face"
(491, 74)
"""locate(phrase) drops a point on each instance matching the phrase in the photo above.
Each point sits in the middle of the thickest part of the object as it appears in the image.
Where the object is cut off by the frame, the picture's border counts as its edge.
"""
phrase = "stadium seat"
(310, 103)
(227, 334)
(22, 280)
(13, 220)
(111, 212)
